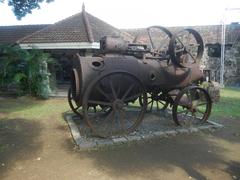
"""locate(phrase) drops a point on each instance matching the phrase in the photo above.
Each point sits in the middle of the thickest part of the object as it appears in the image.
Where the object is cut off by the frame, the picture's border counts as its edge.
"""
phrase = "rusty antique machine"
(113, 90)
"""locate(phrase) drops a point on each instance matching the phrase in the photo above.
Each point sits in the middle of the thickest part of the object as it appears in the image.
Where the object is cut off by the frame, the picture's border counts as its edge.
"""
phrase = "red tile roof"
(82, 27)
(10, 34)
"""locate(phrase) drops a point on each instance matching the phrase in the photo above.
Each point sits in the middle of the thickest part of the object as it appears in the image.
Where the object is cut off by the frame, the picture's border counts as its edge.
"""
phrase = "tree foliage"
(23, 7)
(25, 70)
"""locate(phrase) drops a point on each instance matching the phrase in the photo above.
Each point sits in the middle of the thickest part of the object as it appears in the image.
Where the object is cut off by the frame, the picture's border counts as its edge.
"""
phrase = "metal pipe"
(222, 54)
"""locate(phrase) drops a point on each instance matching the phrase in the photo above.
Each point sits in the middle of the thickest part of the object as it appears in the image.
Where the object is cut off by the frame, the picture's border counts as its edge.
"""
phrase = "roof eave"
(65, 45)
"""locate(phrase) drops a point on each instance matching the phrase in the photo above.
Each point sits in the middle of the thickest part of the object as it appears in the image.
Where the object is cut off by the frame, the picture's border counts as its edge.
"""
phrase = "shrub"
(25, 70)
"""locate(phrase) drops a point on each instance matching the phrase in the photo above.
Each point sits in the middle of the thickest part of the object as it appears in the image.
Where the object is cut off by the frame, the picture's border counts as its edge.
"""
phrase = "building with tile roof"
(11, 34)
(80, 31)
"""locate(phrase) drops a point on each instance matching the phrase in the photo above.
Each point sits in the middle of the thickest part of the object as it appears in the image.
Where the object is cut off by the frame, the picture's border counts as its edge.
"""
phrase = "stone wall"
(231, 65)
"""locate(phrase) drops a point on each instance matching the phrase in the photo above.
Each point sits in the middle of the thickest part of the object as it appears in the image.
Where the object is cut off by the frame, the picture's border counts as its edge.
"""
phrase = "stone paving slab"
(153, 126)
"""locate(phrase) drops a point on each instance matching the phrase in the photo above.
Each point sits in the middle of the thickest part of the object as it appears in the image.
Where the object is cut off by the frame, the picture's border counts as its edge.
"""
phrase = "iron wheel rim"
(106, 124)
(191, 106)
(73, 105)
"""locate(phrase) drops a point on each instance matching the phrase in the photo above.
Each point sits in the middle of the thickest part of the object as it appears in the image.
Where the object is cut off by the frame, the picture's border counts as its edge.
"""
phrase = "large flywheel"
(116, 110)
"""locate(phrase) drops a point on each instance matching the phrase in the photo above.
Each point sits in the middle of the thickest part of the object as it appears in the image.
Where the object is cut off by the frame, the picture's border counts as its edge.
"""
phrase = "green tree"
(23, 7)
(26, 70)
(10, 64)
(37, 72)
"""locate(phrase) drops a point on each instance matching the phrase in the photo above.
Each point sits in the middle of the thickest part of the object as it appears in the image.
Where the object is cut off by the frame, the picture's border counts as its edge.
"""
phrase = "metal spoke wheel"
(160, 41)
(113, 95)
(158, 101)
(191, 106)
(76, 108)
(186, 47)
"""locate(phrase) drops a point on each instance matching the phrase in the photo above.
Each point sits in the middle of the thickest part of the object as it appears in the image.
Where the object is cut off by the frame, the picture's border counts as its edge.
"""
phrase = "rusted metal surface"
(167, 33)
(126, 77)
(76, 108)
(154, 74)
(108, 104)
(186, 48)
(192, 106)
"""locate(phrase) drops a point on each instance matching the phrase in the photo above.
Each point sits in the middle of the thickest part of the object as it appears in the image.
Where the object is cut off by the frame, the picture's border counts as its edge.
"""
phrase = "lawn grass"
(229, 105)
(31, 108)
(17, 115)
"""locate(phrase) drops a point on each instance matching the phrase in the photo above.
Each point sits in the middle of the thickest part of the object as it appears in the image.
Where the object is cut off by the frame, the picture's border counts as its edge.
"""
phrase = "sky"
(133, 13)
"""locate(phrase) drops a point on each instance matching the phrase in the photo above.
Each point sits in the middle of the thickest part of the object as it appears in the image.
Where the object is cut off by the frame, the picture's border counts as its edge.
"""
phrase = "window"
(214, 50)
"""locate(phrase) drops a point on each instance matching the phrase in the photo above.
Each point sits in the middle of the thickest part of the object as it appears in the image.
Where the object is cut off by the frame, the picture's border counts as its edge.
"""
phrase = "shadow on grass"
(18, 141)
(233, 168)
(187, 153)
(230, 132)
(8, 105)
(149, 159)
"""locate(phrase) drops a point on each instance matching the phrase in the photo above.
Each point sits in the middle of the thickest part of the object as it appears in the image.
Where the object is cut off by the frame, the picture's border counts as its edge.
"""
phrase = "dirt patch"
(18, 142)
(231, 131)
(43, 149)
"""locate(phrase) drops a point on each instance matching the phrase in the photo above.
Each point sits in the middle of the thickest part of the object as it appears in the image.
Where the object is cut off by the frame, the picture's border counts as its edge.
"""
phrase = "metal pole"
(223, 44)
(222, 53)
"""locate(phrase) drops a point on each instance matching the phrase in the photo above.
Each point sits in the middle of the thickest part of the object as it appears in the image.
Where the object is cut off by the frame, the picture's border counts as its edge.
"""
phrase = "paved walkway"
(61, 91)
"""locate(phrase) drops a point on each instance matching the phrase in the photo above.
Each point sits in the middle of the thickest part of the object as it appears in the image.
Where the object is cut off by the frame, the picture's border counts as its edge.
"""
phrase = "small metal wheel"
(114, 95)
(77, 109)
(191, 106)
(186, 47)
(159, 100)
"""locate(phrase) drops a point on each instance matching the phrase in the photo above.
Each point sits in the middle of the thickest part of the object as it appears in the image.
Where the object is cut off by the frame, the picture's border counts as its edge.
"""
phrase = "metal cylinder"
(113, 44)
(154, 74)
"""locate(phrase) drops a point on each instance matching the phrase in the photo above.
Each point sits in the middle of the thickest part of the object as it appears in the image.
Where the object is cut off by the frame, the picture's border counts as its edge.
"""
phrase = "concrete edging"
(94, 143)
